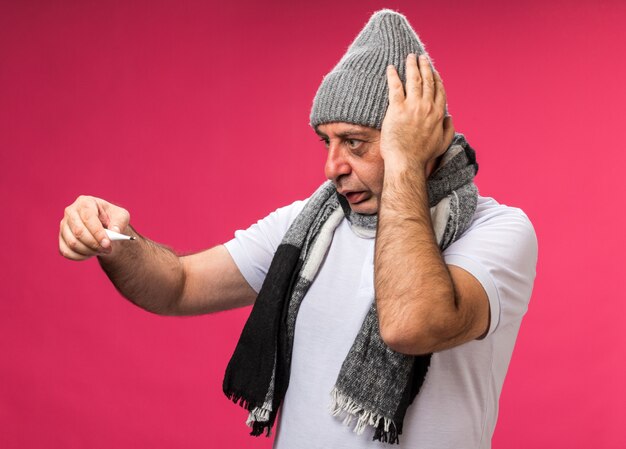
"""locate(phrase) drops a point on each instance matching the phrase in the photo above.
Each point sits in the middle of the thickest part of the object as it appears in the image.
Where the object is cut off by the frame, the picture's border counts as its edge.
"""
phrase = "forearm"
(146, 273)
(414, 291)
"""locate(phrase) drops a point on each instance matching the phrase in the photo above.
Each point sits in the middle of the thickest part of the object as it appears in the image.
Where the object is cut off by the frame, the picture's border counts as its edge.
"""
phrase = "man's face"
(354, 163)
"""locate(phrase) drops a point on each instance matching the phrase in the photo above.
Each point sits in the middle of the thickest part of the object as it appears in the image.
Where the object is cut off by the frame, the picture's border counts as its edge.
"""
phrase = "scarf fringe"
(259, 414)
(259, 427)
(238, 399)
(258, 418)
(386, 434)
(452, 199)
(385, 429)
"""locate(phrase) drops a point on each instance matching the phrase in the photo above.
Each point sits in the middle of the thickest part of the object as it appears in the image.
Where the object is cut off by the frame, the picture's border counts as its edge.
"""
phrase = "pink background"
(194, 117)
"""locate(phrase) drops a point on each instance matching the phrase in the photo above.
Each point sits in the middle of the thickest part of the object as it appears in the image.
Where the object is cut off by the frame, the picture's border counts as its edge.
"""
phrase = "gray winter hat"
(355, 91)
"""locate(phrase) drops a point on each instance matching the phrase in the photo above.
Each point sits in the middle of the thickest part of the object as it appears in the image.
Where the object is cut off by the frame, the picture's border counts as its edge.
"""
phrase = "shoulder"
(499, 234)
(278, 221)
(492, 214)
(497, 225)
(273, 226)
(253, 248)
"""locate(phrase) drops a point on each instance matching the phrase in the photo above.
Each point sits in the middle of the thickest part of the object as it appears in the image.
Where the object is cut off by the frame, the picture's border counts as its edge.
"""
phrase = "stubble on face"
(354, 163)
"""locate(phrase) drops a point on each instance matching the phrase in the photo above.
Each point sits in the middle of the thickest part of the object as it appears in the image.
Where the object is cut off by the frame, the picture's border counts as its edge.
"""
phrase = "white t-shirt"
(457, 406)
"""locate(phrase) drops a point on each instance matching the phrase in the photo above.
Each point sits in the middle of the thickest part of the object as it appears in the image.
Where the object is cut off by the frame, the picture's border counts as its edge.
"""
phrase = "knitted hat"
(356, 91)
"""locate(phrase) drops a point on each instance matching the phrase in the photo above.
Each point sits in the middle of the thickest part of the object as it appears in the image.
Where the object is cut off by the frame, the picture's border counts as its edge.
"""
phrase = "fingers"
(440, 93)
(414, 123)
(413, 78)
(72, 248)
(112, 217)
(81, 225)
(426, 71)
(67, 252)
(423, 83)
(82, 230)
(95, 228)
(396, 91)
(420, 81)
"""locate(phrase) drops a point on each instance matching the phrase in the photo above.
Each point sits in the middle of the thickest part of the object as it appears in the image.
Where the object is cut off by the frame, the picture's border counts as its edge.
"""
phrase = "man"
(407, 287)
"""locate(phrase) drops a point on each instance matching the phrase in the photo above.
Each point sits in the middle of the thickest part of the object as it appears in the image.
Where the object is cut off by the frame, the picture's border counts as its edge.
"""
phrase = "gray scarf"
(375, 385)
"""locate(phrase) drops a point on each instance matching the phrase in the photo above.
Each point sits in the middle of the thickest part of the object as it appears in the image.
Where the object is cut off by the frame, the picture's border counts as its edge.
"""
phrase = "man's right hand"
(151, 275)
(82, 229)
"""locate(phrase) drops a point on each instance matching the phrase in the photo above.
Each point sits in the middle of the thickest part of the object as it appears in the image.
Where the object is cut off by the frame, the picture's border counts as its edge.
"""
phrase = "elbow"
(171, 310)
(419, 334)
(176, 304)
(417, 340)
(170, 301)
(417, 330)
(156, 306)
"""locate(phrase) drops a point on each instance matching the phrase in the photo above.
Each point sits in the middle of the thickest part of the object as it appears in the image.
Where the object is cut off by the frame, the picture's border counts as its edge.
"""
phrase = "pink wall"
(194, 117)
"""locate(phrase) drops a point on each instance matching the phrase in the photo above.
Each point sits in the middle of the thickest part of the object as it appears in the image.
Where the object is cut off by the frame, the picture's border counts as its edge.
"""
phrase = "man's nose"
(336, 163)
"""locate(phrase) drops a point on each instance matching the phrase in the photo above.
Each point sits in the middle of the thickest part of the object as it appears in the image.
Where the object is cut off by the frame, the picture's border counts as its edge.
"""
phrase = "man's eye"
(353, 144)
(325, 142)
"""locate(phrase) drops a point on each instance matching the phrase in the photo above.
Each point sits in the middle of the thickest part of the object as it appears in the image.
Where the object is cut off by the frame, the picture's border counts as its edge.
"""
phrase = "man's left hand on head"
(415, 130)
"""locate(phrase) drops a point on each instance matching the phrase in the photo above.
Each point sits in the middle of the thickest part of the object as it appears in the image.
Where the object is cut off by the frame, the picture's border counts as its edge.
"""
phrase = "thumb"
(119, 221)
(113, 217)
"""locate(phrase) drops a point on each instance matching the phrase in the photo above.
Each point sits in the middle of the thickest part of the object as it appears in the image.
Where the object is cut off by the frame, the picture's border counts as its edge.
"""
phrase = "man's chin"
(367, 207)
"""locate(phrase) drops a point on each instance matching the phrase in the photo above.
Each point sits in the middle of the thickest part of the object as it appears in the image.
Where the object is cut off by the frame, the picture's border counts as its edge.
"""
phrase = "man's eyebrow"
(352, 132)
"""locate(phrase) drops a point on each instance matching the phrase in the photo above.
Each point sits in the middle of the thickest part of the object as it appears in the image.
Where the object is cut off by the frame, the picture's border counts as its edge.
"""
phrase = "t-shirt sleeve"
(252, 249)
(500, 250)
